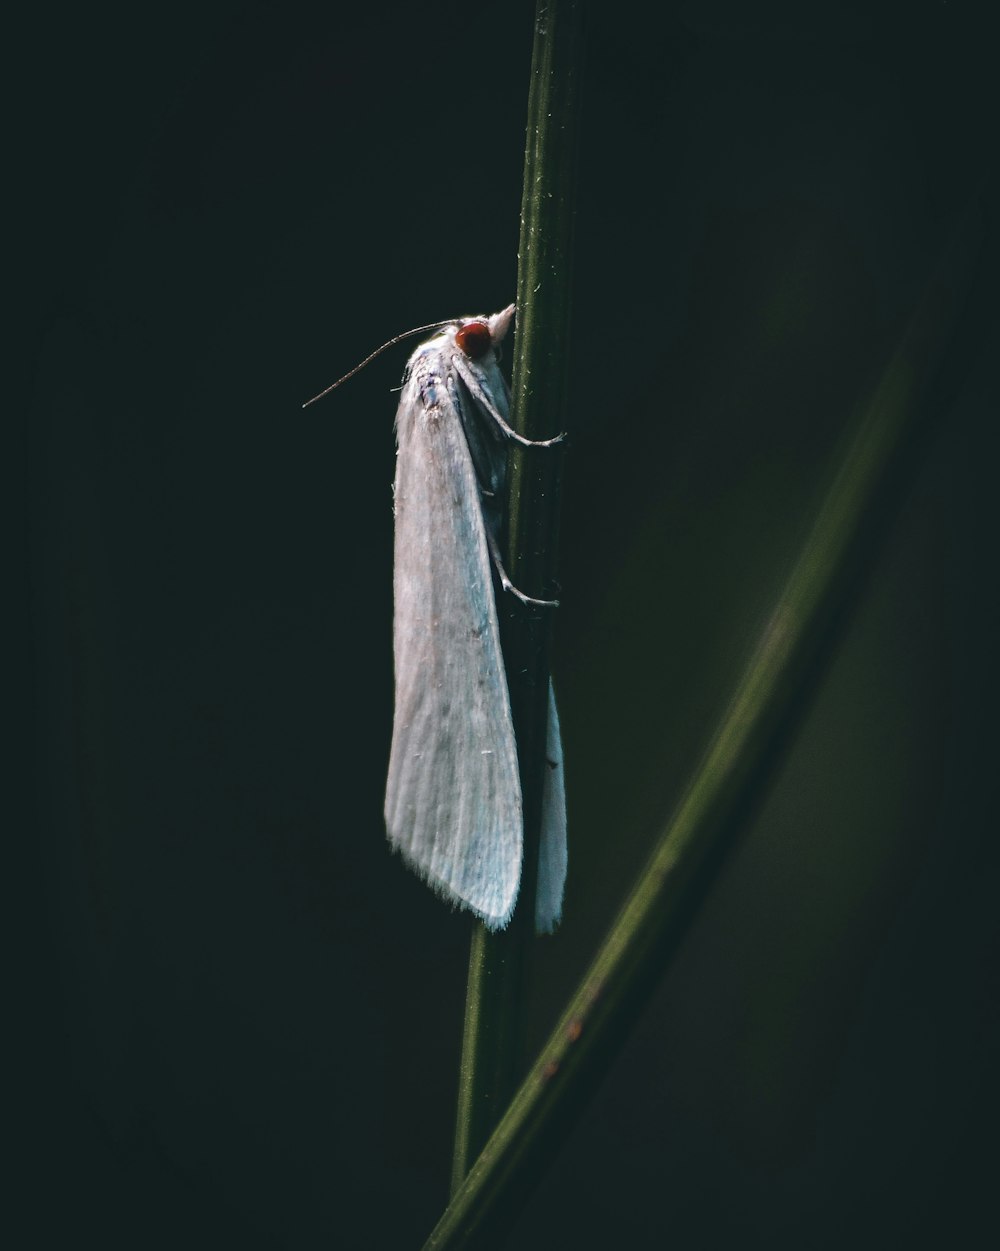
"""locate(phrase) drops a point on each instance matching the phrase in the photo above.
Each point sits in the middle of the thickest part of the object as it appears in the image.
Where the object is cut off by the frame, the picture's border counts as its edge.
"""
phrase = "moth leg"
(506, 583)
(472, 382)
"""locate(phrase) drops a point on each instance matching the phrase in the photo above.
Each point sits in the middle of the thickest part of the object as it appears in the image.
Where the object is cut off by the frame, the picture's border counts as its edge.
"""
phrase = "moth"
(453, 795)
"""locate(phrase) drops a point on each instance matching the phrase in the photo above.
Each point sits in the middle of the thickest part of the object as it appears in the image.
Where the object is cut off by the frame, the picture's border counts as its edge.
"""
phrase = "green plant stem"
(784, 665)
(493, 1059)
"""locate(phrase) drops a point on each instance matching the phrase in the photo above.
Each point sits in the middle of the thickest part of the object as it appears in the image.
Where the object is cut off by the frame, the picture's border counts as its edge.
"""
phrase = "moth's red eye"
(474, 339)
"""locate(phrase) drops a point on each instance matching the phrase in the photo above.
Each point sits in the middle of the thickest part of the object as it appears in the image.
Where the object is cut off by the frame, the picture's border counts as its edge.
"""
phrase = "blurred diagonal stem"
(493, 1059)
(782, 670)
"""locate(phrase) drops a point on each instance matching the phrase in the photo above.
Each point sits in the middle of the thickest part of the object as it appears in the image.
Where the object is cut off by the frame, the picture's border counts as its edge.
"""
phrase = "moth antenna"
(434, 325)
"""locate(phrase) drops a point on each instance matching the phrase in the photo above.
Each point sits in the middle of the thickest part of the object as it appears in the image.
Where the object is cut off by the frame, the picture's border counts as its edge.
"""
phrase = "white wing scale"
(453, 796)
(552, 851)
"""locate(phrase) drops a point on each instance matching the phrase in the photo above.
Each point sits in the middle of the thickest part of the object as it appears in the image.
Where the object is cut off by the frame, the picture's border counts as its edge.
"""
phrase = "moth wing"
(453, 796)
(552, 855)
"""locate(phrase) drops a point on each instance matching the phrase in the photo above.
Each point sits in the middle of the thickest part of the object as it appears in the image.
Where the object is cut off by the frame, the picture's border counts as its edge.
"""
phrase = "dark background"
(237, 1017)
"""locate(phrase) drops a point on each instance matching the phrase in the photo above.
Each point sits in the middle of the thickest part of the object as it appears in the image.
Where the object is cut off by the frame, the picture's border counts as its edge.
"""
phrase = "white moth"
(453, 795)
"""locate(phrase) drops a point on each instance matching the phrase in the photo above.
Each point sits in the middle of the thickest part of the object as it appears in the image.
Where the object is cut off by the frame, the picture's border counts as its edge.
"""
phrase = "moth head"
(478, 335)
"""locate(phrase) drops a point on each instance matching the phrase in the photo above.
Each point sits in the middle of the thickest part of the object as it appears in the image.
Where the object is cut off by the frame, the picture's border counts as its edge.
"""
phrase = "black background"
(241, 1015)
